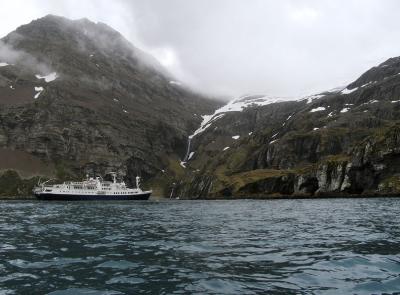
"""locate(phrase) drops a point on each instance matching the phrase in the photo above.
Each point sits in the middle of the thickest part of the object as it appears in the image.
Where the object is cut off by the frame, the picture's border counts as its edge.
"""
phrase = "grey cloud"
(233, 47)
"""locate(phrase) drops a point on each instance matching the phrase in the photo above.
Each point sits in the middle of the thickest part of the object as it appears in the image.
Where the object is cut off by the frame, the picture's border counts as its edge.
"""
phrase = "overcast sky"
(235, 47)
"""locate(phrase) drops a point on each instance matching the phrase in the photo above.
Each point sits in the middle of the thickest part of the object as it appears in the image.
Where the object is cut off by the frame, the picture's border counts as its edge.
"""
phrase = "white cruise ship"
(91, 189)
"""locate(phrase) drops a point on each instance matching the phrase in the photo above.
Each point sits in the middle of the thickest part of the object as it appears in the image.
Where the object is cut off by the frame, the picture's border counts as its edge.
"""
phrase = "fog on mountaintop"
(232, 47)
(13, 56)
(86, 36)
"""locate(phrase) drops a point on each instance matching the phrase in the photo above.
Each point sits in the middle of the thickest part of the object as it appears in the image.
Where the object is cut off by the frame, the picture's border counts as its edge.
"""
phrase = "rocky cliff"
(337, 143)
(76, 97)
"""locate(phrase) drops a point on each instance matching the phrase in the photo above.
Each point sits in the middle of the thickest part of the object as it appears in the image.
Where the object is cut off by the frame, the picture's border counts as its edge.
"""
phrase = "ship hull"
(77, 197)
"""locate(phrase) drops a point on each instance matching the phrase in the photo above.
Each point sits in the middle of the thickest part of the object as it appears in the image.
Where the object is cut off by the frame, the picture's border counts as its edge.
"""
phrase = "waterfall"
(187, 155)
(186, 158)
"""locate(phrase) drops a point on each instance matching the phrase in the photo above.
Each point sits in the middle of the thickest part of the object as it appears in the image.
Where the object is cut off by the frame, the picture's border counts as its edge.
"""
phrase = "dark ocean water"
(330, 246)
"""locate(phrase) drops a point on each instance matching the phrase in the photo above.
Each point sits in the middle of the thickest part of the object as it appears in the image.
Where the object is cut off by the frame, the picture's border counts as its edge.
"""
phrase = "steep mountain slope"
(344, 141)
(76, 98)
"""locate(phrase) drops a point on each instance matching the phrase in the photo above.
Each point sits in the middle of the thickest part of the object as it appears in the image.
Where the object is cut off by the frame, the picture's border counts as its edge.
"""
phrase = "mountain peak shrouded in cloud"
(42, 38)
(282, 48)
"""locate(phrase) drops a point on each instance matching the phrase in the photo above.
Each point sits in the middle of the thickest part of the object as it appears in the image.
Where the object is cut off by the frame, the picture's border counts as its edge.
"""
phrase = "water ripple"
(336, 246)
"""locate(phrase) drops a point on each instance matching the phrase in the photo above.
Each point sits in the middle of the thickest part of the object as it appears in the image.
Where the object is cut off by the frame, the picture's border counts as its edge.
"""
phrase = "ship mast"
(137, 182)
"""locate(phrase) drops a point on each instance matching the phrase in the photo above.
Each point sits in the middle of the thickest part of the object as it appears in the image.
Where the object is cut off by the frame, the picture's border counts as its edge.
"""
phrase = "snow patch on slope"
(348, 91)
(344, 110)
(310, 98)
(39, 91)
(3, 64)
(241, 103)
(318, 109)
(207, 121)
(48, 78)
(236, 105)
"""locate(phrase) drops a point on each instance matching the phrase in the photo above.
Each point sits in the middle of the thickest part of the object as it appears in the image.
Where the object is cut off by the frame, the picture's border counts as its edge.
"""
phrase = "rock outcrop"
(338, 143)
